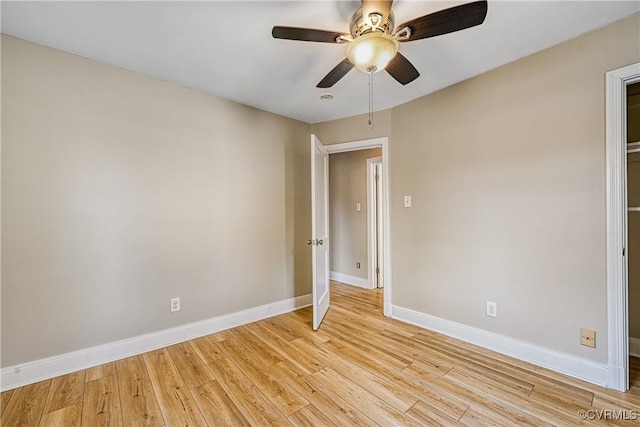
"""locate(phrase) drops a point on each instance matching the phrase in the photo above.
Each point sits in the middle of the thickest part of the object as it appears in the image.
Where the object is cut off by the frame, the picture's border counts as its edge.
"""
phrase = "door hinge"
(377, 270)
(624, 250)
(377, 177)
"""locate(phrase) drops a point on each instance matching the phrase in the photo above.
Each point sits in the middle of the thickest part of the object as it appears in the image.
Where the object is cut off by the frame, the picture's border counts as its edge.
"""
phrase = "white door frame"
(374, 232)
(617, 286)
(382, 143)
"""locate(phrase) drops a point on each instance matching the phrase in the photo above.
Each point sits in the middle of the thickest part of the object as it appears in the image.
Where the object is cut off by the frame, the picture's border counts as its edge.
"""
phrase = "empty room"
(320, 213)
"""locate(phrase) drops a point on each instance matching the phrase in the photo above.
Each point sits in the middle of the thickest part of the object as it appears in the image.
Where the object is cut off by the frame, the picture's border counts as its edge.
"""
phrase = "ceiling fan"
(372, 44)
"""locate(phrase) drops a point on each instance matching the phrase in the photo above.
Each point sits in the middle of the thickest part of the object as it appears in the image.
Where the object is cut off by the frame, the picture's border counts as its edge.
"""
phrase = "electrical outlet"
(588, 337)
(492, 309)
(175, 304)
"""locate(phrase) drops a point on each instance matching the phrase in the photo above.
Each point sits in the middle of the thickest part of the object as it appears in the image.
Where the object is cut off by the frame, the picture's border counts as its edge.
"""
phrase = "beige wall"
(507, 174)
(120, 192)
(355, 128)
(348, 227)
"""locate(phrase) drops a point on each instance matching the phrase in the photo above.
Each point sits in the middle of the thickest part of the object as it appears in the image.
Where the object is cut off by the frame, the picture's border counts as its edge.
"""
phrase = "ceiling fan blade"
(401, 69)
(338, 72)
(305, 34)
(383, 7)
(446, 21)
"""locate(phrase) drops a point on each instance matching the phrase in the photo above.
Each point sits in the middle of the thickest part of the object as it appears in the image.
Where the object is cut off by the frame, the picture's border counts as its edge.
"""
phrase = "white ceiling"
(225, 48)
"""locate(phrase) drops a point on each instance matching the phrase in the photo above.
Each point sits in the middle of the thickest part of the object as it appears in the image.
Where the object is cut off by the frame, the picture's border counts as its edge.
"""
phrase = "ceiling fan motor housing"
(360, 24)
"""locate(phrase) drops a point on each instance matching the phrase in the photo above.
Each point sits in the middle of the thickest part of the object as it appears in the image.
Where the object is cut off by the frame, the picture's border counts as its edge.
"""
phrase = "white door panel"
(320, 229)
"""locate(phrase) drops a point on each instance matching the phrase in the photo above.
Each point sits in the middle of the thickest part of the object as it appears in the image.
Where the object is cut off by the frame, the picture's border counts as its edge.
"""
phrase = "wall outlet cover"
(175, 304)
(492, 309)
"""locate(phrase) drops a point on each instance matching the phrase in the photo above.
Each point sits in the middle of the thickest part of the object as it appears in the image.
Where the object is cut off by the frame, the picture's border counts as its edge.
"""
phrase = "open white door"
(319, 229)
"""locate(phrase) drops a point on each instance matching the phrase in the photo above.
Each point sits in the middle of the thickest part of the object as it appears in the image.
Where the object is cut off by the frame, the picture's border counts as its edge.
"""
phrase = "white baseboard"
(43, 369)
(564, 363)
(634, 346)
(350, 280)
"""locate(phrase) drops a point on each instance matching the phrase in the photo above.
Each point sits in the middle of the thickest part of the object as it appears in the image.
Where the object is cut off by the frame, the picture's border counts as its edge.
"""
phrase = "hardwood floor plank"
(362, 323)
(255, 407)
(486, 383)
(310, 416)
(337, 409)
(403, 329)
(474, 393)
(558, 400)
(622, 409)
(66, 390)
(375, 408)
(207, 349)
(319, 352)
(175, 401)
(366, 374)
(192, 369)
(69, 416)
(139, 403)
(472, 358)
(306, 361)
(480, 417)
(448, 403)
(258, 348)
(5, 396)
(494, 401)
(303, 329)
(101, 403)
(222, 335)
(272, 386)
(26, 405)
(348, 338)
(216, 406)
(283, 330)
(429, 415)
(100, 371)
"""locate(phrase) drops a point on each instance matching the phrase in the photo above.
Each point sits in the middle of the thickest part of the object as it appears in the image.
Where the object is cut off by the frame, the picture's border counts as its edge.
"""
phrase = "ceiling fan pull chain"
(371, 99)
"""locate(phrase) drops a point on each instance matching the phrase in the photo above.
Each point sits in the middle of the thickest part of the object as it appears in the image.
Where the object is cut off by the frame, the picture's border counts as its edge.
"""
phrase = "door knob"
(309, 242)
(320, 242)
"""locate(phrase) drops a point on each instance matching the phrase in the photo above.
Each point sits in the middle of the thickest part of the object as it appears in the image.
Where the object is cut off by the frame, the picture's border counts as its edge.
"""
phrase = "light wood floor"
(359, 369)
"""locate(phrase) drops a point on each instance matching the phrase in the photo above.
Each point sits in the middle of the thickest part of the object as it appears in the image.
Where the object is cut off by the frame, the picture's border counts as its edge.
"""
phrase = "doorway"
(633, 229)
(383, 236)
(618, 81)
(353, 217)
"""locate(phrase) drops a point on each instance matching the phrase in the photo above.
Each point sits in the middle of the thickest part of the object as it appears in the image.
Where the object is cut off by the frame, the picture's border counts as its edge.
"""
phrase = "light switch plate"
(407, 201)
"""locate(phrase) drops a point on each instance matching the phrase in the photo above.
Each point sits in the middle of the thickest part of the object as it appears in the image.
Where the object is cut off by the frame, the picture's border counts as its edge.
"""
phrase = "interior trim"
(350, 280)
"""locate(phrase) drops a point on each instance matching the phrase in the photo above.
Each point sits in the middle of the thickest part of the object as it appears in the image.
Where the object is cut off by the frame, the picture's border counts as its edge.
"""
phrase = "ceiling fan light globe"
(371, 52)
